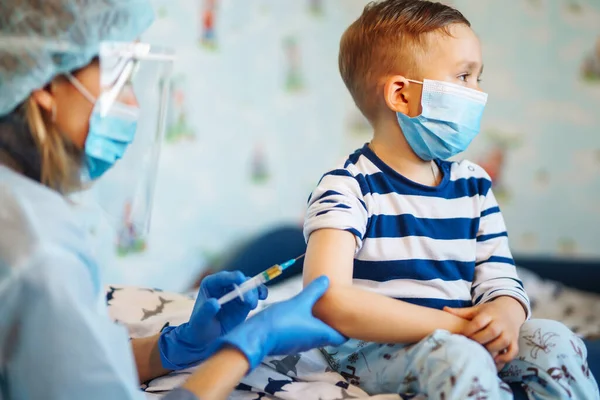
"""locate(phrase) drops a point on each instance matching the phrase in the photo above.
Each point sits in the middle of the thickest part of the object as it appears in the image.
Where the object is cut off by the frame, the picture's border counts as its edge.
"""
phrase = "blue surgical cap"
(41, 39)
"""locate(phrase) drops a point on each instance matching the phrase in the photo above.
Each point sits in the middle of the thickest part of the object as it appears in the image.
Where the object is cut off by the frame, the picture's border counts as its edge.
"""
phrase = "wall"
(259, 113)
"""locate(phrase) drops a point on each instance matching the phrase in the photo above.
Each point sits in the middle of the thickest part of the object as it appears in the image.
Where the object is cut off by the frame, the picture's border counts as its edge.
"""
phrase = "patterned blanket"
(307, 376)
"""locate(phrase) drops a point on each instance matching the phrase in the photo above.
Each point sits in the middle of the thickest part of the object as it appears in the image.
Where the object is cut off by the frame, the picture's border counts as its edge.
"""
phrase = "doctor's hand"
(192, 342)
(231, 314)
(284, 328)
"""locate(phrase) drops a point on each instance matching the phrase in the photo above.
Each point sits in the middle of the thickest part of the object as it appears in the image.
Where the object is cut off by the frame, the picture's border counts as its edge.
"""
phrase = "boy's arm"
(495, 272)
(500, 302)
(358, 313)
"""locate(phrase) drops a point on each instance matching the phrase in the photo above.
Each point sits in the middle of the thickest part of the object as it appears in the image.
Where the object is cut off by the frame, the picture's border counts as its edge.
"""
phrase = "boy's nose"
(478, 88)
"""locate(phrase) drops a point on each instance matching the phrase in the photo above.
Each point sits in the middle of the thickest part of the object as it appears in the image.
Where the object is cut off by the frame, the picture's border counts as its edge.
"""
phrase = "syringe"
(256, 281)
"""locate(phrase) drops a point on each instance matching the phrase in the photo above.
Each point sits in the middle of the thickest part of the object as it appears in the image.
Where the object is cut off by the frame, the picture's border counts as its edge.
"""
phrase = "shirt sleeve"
(495, 271)
(62, 344)
(337, 203)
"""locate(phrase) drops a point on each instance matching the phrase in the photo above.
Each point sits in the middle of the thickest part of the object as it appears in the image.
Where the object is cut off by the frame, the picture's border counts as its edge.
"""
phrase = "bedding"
(307, 376)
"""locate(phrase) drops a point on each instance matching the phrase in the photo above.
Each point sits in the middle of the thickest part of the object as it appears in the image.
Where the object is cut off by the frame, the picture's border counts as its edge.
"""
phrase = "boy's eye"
(463, 77)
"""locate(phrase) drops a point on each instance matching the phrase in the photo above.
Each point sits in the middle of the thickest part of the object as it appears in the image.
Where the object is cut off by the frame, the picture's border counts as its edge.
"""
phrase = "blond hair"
(60, 160)
(387, 39)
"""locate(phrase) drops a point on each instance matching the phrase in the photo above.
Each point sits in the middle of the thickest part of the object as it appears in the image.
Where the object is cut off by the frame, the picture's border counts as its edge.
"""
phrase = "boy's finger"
(466, 313)
(498, 345)
(511, 352)
(478, 323)
(491, 333)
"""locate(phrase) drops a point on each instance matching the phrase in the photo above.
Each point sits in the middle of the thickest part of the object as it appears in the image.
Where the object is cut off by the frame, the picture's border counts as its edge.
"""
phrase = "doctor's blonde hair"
(31, 144)
(59, 159)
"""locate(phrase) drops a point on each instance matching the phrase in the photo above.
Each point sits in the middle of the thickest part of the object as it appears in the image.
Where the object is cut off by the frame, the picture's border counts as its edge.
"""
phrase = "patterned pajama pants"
(551, 364)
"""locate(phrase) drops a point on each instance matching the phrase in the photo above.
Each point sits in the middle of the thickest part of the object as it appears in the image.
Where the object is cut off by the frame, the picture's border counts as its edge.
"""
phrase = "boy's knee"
(545, 326)
(543, 338)
(545, 334)
(551, 347)
(467, 348)
(461, 352)
(456, 365)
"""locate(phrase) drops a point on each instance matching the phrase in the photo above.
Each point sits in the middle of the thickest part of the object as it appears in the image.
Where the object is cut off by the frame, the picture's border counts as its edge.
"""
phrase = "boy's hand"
(495, 325)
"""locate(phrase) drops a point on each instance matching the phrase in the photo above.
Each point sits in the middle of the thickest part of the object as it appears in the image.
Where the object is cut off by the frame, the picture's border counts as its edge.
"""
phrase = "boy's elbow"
(323, 308)
(331, 309)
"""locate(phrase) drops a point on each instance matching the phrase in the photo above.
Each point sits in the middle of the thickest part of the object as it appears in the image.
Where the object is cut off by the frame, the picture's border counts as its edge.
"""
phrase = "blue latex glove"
(284, 328)
(190, 343)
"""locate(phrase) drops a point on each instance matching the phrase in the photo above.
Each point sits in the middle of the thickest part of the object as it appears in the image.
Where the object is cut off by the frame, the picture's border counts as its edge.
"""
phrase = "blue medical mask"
(108, 137)
(109, 134)
(449, 121)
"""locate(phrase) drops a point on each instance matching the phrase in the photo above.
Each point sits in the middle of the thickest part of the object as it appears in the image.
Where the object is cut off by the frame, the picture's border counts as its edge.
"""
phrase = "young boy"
(416, 247)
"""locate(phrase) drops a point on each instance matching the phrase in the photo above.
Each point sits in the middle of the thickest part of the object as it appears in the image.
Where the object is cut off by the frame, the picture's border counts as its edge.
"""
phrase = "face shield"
(126, 131)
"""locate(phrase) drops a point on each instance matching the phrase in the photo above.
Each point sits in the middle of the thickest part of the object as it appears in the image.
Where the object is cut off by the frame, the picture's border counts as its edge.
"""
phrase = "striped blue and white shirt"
(431, 246)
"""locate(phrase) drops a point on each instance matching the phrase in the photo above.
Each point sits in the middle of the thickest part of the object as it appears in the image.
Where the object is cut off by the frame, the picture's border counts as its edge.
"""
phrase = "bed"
(307, 376)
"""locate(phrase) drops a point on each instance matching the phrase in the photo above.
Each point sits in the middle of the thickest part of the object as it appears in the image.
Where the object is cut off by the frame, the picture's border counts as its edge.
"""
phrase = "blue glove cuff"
(165, 348)
(253, 345)
(176, 354)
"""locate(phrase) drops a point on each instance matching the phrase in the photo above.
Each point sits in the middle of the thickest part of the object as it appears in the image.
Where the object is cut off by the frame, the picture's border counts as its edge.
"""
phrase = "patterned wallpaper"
(259, 112)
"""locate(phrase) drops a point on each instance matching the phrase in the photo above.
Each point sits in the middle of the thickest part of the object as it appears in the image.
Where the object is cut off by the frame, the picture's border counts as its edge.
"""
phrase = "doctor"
(76, 91)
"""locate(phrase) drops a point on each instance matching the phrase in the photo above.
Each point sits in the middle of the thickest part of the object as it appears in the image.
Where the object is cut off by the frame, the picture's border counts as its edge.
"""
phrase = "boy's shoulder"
(354, 164)
(465, 169)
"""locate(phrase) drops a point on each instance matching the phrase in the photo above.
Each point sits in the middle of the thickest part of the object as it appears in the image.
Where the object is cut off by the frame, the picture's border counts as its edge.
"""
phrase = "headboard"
(577, 273)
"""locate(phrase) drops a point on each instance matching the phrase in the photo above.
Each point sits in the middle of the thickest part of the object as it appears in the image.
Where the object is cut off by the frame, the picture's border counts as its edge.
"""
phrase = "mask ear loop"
(79, 86)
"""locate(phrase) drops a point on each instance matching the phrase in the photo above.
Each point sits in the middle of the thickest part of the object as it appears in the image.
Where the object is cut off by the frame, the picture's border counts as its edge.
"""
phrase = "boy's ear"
(396, 94)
